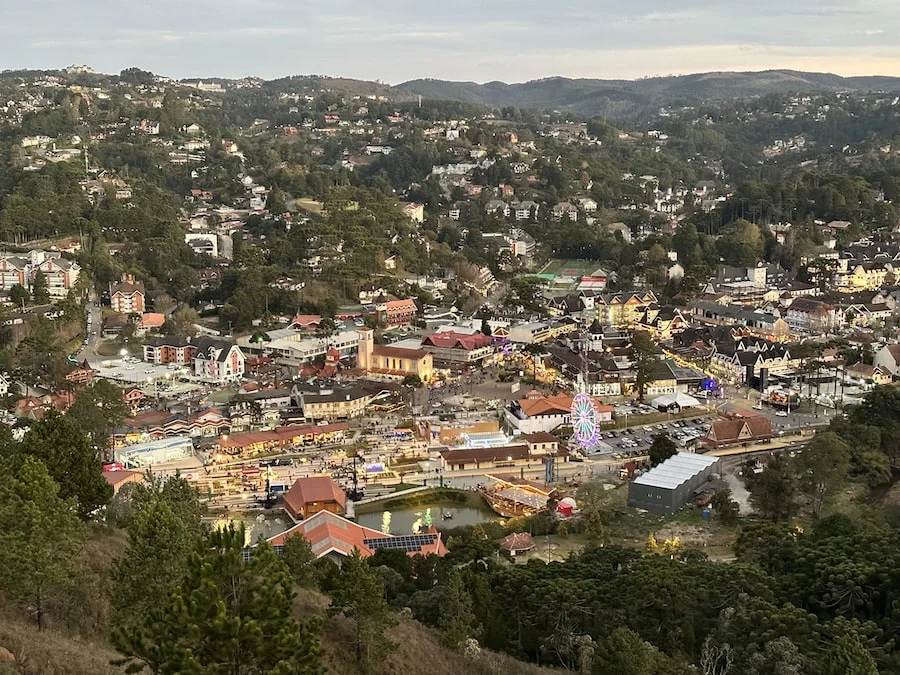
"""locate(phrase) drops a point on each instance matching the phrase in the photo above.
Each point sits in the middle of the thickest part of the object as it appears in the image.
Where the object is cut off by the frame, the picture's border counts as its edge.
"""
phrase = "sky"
(397, 40)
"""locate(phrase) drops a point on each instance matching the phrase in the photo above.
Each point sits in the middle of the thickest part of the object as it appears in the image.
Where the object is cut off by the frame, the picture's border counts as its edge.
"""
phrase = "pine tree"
(848, 656)
(359, 596)
(457, 621)
(39, 290)
(159, 544)
(227, 616)
(67, 453)
(298, 556)
(40, 535)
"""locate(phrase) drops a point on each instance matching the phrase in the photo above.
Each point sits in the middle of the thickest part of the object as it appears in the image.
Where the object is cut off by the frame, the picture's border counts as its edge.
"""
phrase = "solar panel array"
(410, 543)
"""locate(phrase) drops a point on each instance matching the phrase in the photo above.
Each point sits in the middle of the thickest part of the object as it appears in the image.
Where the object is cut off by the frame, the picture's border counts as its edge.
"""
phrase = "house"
(121, 478)
(738, 431)
(564, 210)
(396, 312)
(150, 322)
(133, 398)
(888, 359)
(525, 210)
(622, 309)
(497, 206)
(391, 362)
(870, 375)
(218, 360)
(587, 204)
(307, 496)
(336, 538)
(127, 296)
(536, 413)
(5, 382)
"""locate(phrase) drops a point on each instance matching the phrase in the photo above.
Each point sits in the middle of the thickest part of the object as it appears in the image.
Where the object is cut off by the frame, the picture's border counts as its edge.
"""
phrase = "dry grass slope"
(419, 651)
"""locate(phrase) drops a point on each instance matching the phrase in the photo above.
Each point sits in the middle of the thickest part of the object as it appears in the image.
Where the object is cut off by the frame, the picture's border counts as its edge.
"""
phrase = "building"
(888, 359)
(537, 412)
(334, 403)
(807, 315)
(218, 360)
(460, 459)
(396, 313)
(145, 455)
(392, 363)
(456, 349)
(119, 479)
(530, 333)
(127, 296)
(670, 485)
(738, 431)
(169, 349)
(308, 496)
(336, 538)
(59, 273)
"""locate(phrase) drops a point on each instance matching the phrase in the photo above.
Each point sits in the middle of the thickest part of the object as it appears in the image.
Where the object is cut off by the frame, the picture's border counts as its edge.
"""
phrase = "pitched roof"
(745, 428)
(313, 489)
(327, 533)
(554, 405)
(453, 340)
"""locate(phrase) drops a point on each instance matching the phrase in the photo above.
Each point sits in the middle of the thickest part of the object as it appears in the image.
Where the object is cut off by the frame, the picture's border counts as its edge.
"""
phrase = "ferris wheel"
(584, 421)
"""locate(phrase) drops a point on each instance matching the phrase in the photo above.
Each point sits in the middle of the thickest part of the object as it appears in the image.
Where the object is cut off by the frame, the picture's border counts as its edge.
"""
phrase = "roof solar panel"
(409, 543)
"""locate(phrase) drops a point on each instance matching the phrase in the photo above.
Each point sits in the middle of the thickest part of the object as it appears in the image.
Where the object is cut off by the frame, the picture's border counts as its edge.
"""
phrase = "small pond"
(411, 519)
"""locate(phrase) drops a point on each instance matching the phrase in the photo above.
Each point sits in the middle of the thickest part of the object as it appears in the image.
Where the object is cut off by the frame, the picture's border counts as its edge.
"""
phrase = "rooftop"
(676, 470)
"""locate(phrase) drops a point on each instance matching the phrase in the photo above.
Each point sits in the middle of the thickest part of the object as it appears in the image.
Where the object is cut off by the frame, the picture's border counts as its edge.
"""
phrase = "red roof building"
(452, 347)
(335, 537)
(308, 496)
(397, 312)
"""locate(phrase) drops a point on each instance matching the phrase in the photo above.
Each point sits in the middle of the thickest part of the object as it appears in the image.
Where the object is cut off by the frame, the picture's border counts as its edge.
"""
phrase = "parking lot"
(634, 441)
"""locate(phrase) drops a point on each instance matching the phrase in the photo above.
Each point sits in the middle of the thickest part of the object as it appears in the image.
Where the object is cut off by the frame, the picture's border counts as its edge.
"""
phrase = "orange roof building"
(334, 537)
(537, 412)
(310, 495)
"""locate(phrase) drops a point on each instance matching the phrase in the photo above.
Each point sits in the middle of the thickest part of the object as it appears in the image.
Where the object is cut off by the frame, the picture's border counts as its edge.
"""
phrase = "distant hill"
(637, 98)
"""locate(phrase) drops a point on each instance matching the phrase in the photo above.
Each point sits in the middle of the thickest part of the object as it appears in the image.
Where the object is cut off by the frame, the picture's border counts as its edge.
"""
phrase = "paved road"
(95, 321)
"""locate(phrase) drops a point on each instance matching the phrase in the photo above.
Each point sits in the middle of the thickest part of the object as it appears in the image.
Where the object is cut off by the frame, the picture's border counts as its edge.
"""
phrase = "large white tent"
(678, 401)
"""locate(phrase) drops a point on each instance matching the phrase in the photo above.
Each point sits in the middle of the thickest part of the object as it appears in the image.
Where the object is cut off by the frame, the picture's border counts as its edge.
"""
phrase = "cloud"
(395, 40)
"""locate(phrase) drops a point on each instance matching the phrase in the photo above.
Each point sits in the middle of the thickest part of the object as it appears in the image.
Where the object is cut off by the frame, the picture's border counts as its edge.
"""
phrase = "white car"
(781, 413)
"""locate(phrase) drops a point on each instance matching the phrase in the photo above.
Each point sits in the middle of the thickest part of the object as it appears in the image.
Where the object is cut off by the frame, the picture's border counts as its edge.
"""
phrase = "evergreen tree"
(40, 535)
(298, 556)
(359, 596)
(848, 656)
(71, 461)
(39, 290)
(773, 492)
(227, 616)
(661, 449)
(159, 544)
(457, 621)
(97, 410)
